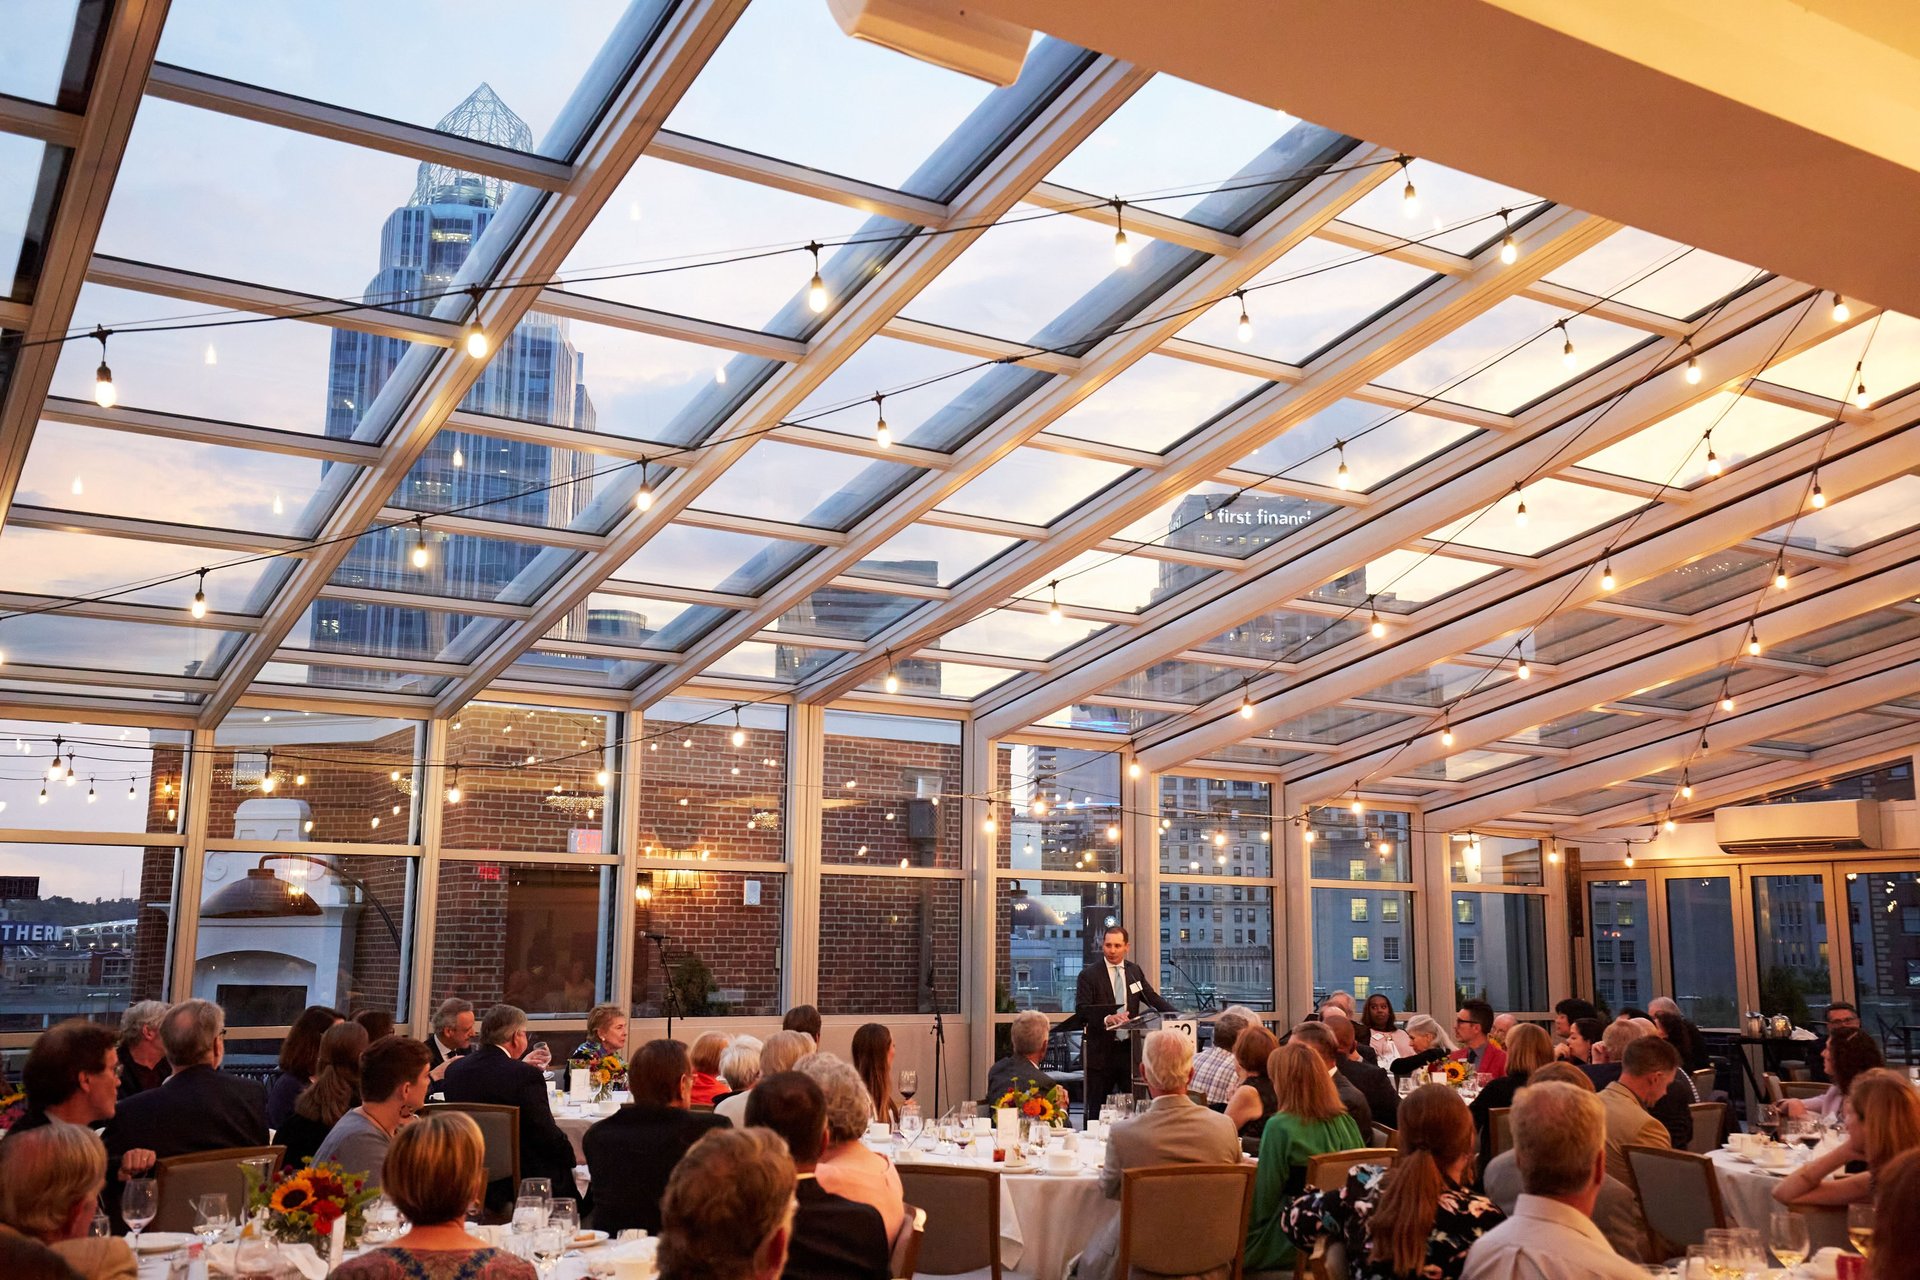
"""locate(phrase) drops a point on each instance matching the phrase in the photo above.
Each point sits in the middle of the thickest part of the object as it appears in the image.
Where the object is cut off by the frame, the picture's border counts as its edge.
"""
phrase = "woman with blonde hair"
(1883, 1120)
(435, 1169)
(1430, 1043)
(1252, 1100)
(706, 1051)
(334, 1092)
(1417, 1218)
(1529, 1048)
(50, 1183)
(1309, 1120)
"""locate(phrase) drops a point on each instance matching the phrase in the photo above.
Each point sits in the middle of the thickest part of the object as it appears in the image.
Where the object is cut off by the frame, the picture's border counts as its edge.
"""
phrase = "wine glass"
(564, 1216)
(909, 1084)
(139, 1202)
(548, 1244)
(1787, 1235)
(1723, 1252)
(910, 1122)
(1860, 1228)
(211, 1216)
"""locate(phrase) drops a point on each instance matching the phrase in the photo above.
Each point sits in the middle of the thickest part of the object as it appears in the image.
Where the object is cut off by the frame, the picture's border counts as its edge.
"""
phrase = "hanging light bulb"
(1520, 511)
(881, 435)
(1713, 459)
(131, 793)
(1053, 603)
(453, 787)
(1244, 330)
(105, 394)
(1753, 642)
(1356, 806)
(1509, 247)
(1567, 357)
(1524, 670)
(1409, 199)
(1841, 311)
(299, 779)
(56, 769)
(43, 793)
(1667, 824)
(1860, 398)
(1133, 769)
(1818, 498)
(1375, 626)
(1246, 701)
(419, 557)
(473, 337)
(643, 497)
(1122, 251)
(1686, 787)
(72, 775)
(459, 459)
(1607, 581)
(1726, 701)
(91, 794)
(1446, 733)
(817, 298)
(1780, 580)
(893, 675)
(1693, 371)
(199, 606)
(1342, 476)
(602, 778)
(739, 735)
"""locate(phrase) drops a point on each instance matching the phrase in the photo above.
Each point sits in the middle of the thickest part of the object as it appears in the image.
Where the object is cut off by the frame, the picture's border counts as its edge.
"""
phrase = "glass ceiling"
(665, 473)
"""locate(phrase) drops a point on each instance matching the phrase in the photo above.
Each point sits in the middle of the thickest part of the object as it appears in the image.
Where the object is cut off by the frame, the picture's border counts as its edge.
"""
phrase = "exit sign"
(20, 887)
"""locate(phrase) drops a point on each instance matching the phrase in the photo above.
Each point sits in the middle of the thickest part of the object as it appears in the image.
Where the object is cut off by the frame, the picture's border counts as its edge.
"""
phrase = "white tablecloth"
(1045, 1218)
(572, 1266)
(1747, 1189)
(575, 1119)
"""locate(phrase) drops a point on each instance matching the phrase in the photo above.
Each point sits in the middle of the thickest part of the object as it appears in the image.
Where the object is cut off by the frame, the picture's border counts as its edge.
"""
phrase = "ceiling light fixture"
(1841, 311)
(1520, 511)
(1567, 356)
(1342, 476)
(105, 394)
(199, 606)
(473, 337)
(1243, 330)
(1509, 247)
(643, 498)
(881, 435)
(1409, 199)
(1053, 602)
(1122, 251)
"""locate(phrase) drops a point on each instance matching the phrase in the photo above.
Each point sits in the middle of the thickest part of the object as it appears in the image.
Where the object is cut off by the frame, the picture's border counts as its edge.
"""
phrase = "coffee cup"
(1060, 1162)
(877, 1131)
(607, 1106)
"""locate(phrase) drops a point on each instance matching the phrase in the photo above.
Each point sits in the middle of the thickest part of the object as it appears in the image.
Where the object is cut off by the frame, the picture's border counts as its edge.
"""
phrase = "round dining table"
(1046, 1217)
(1747, 1188)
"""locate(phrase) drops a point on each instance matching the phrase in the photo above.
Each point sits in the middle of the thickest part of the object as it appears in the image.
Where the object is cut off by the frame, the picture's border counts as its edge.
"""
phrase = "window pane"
(524, 933)
(1347, 846)
(1495, 860)
(1384, 924)
(332, 777)
(1700, 931)
(83, 931)
(530, 780)
(1044, 933)
(1217, 945)
(894, 816)
(1790, 946)
(281, 931)
(703, 797)
(1884, 907)
(1215, 827)
(889, 944)
(1500, 950)
(122, 779)
(725, 934)
(1060, 811)
(1621, 934)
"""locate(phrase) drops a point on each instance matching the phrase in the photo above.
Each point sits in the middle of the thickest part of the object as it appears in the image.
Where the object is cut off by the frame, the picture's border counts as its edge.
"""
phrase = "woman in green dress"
(1309, 1121)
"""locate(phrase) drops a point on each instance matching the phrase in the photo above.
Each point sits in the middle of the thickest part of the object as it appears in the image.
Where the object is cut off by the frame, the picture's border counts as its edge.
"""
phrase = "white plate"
(586, 1239)
(164, 1241)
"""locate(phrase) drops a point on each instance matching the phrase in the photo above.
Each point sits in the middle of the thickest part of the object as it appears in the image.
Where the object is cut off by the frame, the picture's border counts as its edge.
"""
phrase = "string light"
(1342, 476)
(1860, 398)
(602, 778)
(1713, 459)
(420, 557)
(1693, 372)
(104, 393)
(817, 297)
(1753, 641)
(739, 735)
(1841, 311)
(1375, 626)
(881, 435)
(299, 779)
(1726, 700)
(473, 337)
(43, 793)
(1525, 669)
(1686, 786)
(1668, 824)
(1409, 199)
(893, 675)
(1818, 498)
(1520, 511)
(1053, 602)
(1509, 247)
(1356, 806)
(1244, 330)
(1133, 769)
(56, 770)
(1246, 700)
(643, 497)
(1122, 251)
(91, 794)
(131, 793)
(199, 606)
(1607, 580)
(1567, 357)
(1446, 732)
(1780, 579)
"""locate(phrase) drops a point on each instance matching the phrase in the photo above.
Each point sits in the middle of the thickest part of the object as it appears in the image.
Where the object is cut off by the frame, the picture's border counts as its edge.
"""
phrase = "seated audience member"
(1429, 1043)
(1417, 1218)
(847, 1167)
(1616, 1211)
(1341, 1000)
(72, 1074)
(334, 1092)
(1843, 1058)
(1373, 1082)
(705, 1056)
(1252, 1101)
(1021, 1069)
(1649, 1066)
(833, 1237)
(1380, 1023)
(1318, 1036)
(804, 1018)
(143, 1059)
(631, 1153)
(606, 1033)
(1842, 1019)
(378, 1023)
(1883, 1120)
(24, 1259)
(394, 1079)
(782, 1052)
(50, 1184)
(299, 1059)
(1673, 1110)
(873, 1059)
(739, 1067)
(1172, 1130)
(199, 1108)
(1310, 1122)
(1473, 1026)
(729, 1209)
(1569, 1011)
(1680, 1032)
(494, 1073)
(1528, 1049)
(1603, 1068)
(454, 1027)
(1583, 1039)
(1559, 1144)
(1896, 1219)
(1502, 1023)
(1216, 1073)
(435, 1169)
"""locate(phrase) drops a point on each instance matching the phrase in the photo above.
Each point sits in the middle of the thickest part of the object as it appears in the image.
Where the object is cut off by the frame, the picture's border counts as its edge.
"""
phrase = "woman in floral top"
(1412, 1221)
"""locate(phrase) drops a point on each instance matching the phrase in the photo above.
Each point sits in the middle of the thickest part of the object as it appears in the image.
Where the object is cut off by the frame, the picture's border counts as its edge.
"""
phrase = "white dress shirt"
(1117, 976)
(1546, 1240)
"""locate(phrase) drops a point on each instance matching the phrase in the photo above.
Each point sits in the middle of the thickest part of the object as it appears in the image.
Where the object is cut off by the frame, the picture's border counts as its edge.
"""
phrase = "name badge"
(1134, 989)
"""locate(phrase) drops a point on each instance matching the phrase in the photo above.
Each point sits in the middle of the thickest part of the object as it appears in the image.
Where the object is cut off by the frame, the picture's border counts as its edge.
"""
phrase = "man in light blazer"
(1104, 1052)
(1173, 1130)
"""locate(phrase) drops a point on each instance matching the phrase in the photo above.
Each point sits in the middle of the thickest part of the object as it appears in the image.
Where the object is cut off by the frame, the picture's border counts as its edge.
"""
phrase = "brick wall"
(873, 821)
(705, 921)
(508, 804)
(882, 937)
(713, 797)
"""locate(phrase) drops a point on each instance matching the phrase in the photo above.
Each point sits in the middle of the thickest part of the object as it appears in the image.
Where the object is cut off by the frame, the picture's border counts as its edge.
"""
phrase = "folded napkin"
(220, 1260)
(1822, 1263)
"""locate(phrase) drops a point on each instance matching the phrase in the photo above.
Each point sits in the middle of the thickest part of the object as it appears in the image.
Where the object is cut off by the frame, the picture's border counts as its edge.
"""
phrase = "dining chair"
(1679, 1195)
(962, 1236)
(1184, 1219)
(1328, 1171)
(906, 1249)
(500, 1149)
(179, 1179)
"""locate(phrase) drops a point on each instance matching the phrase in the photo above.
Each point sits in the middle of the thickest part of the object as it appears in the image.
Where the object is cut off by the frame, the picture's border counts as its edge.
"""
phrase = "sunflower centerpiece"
(301, 1206)
(1049, 1105)
(606, 1070)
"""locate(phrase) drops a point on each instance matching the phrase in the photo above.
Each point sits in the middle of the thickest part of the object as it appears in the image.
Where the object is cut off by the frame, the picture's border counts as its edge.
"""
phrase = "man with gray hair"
(1559, 1143)
(1021, 1069)
(1215, 1073)
(199, 1108)
(452, 1038)
(143, 1060)
(494, 1073)
(1172, 1130)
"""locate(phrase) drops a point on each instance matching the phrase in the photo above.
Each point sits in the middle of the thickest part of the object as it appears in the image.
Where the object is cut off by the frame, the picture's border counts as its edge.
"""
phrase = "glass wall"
(1700, 942)
(1361, 886)
(1216, 895)
(1790, 946)
(1883, 913)
(1620, 931)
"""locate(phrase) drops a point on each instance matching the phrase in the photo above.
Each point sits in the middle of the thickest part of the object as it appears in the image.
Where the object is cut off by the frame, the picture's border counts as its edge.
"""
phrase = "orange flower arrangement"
(1049, 1105)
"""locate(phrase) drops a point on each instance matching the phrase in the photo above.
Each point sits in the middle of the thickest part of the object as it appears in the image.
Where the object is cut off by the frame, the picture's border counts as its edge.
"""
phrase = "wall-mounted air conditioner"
(1816, 827)
(944, 32)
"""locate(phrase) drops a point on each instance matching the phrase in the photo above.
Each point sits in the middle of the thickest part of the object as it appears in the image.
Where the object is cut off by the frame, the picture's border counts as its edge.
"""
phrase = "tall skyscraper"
(536, 376)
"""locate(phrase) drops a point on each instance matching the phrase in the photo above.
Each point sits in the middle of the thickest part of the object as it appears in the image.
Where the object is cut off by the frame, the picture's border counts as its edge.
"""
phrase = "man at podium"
(1107, 996)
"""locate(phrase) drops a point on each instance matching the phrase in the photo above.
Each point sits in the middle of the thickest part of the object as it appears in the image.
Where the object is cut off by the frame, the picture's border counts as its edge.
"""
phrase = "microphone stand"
(670, 1000)
(939, 1034)
(1200, 1001)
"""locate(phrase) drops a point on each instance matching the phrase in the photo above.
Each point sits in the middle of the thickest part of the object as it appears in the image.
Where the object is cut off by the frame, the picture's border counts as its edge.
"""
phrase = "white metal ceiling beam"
(1453, 484)
(784, 175)
(14, 602)
(541, 230)
(236, 540)
(148, 422)
(120, 73)
(1550, 239)
(664, 324)
(41, 122)
(1073, 113)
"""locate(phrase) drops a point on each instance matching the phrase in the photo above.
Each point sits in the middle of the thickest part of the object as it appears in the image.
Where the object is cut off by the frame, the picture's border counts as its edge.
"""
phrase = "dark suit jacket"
(835, 1238)
(632, 1153)
(1672, 1111)
(1015, 1072)
(1098, 1049)
(1357, 1106)
(489, 1075)
(134, 1080)
(1601, 1073)
(196, 1109)
(1376, 1086)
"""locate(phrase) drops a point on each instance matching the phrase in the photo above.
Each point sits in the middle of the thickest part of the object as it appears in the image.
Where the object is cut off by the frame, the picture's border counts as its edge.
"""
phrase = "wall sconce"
(643, 888)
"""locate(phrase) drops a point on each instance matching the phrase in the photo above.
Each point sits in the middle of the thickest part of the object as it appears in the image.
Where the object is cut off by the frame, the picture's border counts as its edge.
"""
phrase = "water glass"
(542, 1187)
(139, 1201)
(548, 1244)
(1039, 1133)
(211, 1216)
(530, 1212)
(564, 1216)
(910, 1122)
(101, 1227)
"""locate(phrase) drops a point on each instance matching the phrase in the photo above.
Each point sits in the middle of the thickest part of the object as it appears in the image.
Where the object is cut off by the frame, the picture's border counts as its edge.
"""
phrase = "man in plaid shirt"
(1215, 1073)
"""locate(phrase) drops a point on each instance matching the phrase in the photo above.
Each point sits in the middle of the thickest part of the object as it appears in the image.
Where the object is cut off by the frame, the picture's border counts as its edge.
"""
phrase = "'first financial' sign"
(17, 933)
